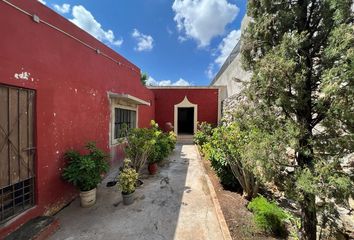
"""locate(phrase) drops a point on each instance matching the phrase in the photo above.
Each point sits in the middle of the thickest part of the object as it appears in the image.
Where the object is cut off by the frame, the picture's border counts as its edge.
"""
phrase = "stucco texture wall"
(166, 98)
(231, 76)
(71, 83)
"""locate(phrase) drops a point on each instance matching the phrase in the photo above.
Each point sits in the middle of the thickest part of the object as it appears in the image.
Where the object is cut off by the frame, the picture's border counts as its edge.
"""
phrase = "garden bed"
(233, 205)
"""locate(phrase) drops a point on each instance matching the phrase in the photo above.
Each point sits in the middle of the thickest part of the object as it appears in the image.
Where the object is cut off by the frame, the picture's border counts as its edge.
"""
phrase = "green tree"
(302, 56)
(143, 78)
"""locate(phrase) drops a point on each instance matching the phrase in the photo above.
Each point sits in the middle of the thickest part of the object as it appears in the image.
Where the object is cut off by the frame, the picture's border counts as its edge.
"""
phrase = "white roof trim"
(128, 98)
(184, 87)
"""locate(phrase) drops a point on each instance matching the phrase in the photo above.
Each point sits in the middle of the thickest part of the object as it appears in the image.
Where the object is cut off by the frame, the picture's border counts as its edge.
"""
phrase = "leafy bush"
(172, 140)
(85, 171)
(140, 143)
(268, 216)
(148, 144)
(164, 143)
(232, 140)
(210, 142)
(127, 178)
(205, 130)
(221, 167)
(161, 147)
(224, 146)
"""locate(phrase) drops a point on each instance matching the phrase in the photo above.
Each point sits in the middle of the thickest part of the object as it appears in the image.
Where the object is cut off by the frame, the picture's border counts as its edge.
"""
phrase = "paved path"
(177, 203)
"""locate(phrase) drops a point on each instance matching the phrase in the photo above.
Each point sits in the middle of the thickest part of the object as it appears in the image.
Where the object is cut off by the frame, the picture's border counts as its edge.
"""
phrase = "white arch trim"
(185, 104)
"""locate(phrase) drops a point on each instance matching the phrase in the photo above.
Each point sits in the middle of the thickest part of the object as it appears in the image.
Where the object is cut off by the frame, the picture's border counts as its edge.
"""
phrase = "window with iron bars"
(122, 117)
(16, 198)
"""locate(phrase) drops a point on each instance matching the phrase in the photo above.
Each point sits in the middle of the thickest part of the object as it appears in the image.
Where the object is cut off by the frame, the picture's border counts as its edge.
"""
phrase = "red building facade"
(59, 89)
(204, 99)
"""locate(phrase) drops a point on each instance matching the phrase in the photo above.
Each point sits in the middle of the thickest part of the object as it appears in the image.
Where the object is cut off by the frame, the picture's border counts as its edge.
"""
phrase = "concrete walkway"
(177, 203)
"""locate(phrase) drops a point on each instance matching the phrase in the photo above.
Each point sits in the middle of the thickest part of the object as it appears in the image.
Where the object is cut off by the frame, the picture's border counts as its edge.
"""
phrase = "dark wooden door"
(186, 120)
(16, 150)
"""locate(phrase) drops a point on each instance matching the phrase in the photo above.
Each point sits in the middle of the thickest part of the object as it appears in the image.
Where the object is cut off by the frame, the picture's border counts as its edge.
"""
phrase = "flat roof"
(184, 87)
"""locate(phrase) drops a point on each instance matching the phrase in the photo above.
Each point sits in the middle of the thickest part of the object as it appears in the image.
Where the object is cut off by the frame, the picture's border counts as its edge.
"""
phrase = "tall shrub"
(140, 143)
(203, 134)
(233, 140)
(211, 144)
(163, 145)
(301, 54)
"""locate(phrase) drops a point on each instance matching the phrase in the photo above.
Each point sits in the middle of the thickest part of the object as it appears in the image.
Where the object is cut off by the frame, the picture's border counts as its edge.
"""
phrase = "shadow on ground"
(174, 204)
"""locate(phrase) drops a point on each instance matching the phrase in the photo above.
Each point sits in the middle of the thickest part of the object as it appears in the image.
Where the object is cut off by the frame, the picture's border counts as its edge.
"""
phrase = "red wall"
(71, 83)
(72, 106)
(166, 98)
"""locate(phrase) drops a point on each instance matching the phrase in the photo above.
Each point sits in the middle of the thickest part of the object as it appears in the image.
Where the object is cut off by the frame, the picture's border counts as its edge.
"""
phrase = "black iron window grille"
(16, 198)
(123, 116)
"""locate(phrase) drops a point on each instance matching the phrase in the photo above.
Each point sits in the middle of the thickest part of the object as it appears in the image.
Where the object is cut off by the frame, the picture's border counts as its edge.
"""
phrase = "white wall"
(234, 71)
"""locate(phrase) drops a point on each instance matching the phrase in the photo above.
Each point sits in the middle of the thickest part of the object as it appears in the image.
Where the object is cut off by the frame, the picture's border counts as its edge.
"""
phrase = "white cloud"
(210, 72)
(202, 20)
(43, 2)
(85, 20)
(65, 8)
(145, 42)
(181, 82)
(227, 45)
(223, 51)
(182, 39)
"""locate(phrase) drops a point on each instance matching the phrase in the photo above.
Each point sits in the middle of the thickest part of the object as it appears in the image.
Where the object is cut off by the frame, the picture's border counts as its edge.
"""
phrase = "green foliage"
(220, 165)
(232, 142)
(210, 142)
(224, 146)
(140, 143)
(164, 143)
(127, 178)
(143, 78)
(85, 171)
(300, 98)
(203, 133)
(328, 181)
(148, 144)
(268, 216)
(172, 140)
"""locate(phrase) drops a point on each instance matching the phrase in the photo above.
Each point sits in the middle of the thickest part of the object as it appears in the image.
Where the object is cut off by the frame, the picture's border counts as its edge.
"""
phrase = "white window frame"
(115, 141)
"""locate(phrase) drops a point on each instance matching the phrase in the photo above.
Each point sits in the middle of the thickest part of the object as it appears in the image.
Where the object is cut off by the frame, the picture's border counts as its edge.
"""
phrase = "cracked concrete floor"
(174, 204)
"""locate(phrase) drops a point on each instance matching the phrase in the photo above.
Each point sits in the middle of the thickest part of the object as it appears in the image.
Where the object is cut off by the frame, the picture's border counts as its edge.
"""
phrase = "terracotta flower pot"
(152, 167)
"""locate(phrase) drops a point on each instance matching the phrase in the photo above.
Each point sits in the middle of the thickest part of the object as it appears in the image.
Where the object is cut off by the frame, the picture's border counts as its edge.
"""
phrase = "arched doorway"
(185, 117)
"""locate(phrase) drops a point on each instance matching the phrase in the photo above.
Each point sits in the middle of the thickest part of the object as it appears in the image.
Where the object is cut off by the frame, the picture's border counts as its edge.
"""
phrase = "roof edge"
(184, 87)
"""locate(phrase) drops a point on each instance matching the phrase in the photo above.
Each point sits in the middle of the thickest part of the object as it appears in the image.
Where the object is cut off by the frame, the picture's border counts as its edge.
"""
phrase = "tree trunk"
(305, 157)
(309, 220)
(308, 204)
(246, 179)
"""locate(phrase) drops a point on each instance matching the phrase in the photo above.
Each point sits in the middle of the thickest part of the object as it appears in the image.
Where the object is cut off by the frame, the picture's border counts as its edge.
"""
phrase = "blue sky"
(176, 42)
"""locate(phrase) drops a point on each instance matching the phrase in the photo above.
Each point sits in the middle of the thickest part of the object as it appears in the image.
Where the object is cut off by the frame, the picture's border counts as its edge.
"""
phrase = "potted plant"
(162, 147)
(126, 182)
(139, 142)
(152, 166)
(86, 171)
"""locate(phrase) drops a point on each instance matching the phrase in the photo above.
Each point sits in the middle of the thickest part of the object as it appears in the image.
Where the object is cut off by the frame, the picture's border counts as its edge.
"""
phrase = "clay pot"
(152, 167)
